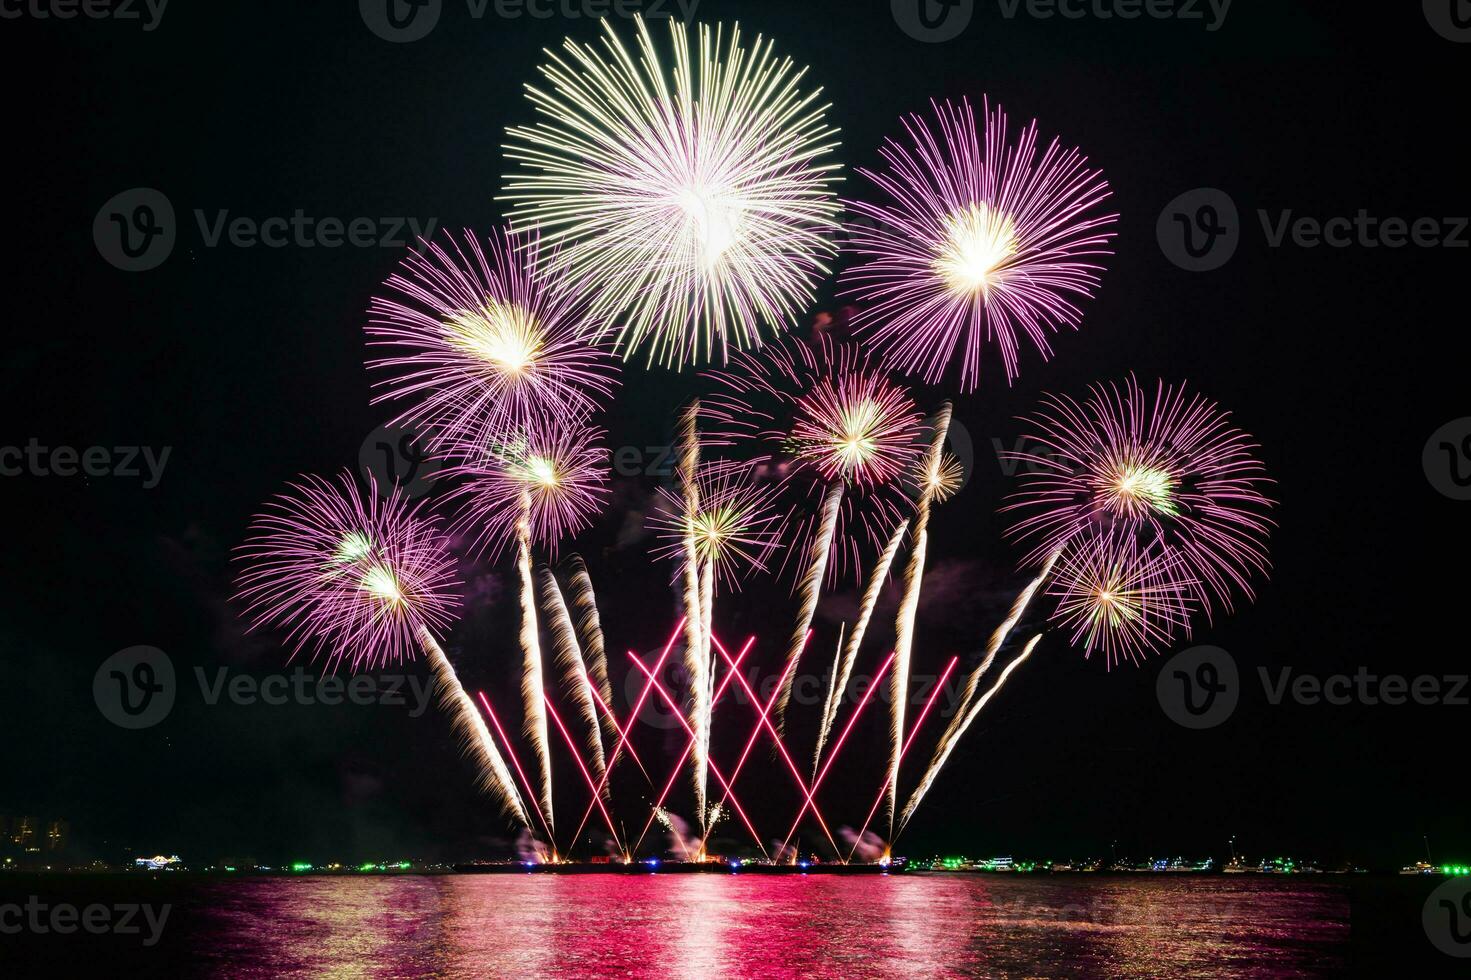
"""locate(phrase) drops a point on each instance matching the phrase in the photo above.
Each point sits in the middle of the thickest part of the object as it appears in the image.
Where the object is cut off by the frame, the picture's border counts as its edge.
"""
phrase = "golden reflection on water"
(733, 927)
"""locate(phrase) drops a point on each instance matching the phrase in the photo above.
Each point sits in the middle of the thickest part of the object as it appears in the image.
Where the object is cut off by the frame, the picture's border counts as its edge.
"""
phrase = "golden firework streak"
(590, 629)
(904, 623)
(855, 639)
(495, 778)
(811, 585)
(574, 671)
(948, 745)
(697, 612)
(533, 689)
(973, 680)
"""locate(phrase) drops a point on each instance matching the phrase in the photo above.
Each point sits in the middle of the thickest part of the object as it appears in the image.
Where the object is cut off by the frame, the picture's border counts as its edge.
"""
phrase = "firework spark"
(1170, 469)
(485, 340)
(353, 576)
(733, 529)
(1120, 597)
(552, 474)
(693, 205)
(985, 239)
(820, 413)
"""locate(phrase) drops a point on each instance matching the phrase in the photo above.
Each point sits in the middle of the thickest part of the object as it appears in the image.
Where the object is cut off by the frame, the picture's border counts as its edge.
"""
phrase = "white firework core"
(689, 197)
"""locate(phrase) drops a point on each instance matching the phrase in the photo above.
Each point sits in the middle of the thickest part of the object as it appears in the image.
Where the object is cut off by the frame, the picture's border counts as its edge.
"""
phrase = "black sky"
(248, 364)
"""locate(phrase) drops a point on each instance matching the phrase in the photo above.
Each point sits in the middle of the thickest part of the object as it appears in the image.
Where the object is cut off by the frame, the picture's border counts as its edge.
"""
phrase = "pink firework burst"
(986, 238)
(554, 473)
(485, 339)
(1119, 596)
(821, 413)
(356, 577)
(734, 529)
(1169, 468)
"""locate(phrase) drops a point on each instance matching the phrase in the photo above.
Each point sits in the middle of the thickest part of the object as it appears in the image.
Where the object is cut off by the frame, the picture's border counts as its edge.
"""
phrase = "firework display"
(484, 340)
(986, 238)
(691, 199)
(682, 212)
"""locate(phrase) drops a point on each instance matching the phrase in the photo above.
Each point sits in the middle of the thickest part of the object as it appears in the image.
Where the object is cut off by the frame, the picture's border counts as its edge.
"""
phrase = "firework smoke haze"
(985, 239)
(692, 200)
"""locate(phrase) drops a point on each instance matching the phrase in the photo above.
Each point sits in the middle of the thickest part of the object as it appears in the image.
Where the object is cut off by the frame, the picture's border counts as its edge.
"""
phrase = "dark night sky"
(248, 364)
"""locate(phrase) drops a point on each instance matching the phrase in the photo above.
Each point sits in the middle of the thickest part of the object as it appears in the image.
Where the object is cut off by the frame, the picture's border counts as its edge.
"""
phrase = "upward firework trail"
(590, 628)
(843, 430)
(973, 679)
(984, 240)
(953, 738)
(697, 604)
(364, 580)
(574, 671)
(876, 580)
(534, 486)
(694, 205)
(533, 685)
(474, 736)
(931, 483)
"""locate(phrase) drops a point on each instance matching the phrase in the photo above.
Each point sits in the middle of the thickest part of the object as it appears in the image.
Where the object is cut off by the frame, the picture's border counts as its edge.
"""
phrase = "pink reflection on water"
(752, 926)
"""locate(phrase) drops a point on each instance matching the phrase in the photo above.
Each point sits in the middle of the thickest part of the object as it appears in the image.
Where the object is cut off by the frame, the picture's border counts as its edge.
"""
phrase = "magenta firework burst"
(354, 576)
(485, 336)
(1120, 596)
(834, 426)
(987, 238)
(552, 474)
(1170, 467)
